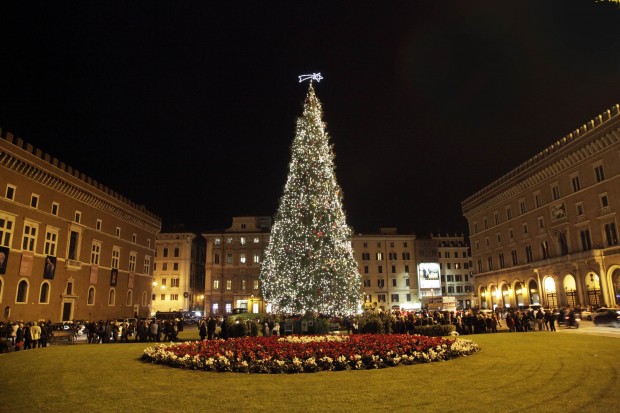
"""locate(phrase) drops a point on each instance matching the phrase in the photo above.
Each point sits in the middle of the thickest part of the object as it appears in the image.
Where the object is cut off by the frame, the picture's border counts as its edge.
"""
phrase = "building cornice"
(582, 144)
(46, 177)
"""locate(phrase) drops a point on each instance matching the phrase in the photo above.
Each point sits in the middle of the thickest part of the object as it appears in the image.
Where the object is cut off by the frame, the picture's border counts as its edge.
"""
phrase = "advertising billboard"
(428, 275)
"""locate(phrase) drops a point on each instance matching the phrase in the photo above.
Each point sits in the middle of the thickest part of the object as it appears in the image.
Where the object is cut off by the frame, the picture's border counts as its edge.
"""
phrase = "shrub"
(436, 330)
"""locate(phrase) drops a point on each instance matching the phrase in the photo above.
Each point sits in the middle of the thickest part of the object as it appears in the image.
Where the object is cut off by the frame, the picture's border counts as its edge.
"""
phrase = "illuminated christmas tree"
(309, 263)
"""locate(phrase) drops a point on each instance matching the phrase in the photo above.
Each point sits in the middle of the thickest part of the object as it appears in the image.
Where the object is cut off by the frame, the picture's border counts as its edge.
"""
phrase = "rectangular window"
(515, 258)
(537, 199)
(98, 225)
(10, 192)
(407, 269)
(610, 234)
(134, 238)
(380, 269)
(174, 297)
(555, 192)
(256, 257)
(490, 263)
(147, 265)
(256, 240)
(243, 284)
(541, 222)
(380, 283)
(176, 251)
(406, 256)
(242, 240)
(579, 209)
(528, 254)
(77, 216)
(496, 218)
(34, 201)
(392, 256)
(55, 208)
(544, 249)
(509, 213)
(175, 282)
(522, 207)
(604, 200)
(95, 253)
(407, 282)
(379, 256)
(575, 183)
(118, 232)
(586, 242)
(393, 282)
(458, 278)
(216, 258)
(599, 173)
(165, 252)
(163, 297)
(164, 266)
(217, 241)
(229, 240)
(116, 256)
(74, 244)
(381, 298)
(29, 239)
(175, 266)
(216, 284)
(502, 263)
(255, 285)
(393, 269)
(365, 269)
(525, 230)
(229, 284)
(51, 241)
(229, 258)
(132, 261)
(366, 282)
(394, 298)
(242, 257)
(366, 256)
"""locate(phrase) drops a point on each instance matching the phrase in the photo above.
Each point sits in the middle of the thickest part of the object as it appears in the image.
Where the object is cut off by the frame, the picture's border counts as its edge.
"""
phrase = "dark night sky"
(190, 108)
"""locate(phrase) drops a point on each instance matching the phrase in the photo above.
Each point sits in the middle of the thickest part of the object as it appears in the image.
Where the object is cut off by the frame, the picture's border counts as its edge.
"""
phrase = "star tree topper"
(313, 76)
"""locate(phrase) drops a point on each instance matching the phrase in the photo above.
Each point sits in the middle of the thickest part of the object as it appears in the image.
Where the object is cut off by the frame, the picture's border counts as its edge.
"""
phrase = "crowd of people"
(31, 335)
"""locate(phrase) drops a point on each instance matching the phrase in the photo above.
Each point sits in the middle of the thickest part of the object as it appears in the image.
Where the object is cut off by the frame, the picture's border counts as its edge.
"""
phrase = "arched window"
(144, 298)
(129, 297)
(44, 294)
(111, 296)
(91, 296)
(22, 292)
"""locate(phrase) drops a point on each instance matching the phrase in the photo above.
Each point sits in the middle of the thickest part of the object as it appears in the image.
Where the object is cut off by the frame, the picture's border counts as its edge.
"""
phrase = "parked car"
(607, 316)
(585, 313)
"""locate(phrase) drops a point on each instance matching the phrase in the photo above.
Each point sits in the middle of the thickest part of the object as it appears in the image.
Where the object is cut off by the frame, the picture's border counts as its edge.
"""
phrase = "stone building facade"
(179, 272)
(70, 248)
(546, 232)
(232, 267)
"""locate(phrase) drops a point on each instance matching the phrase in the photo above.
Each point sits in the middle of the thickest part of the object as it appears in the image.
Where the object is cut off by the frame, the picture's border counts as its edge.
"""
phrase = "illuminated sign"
(429, 276)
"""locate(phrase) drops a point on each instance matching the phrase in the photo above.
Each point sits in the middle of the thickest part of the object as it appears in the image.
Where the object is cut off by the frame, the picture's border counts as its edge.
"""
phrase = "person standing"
(551, 320)
(35, 334)
(211, 326)
(202, 330)
(540, 317)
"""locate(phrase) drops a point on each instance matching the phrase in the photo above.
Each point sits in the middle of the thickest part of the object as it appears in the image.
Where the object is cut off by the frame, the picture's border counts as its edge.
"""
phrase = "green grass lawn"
(514, 372)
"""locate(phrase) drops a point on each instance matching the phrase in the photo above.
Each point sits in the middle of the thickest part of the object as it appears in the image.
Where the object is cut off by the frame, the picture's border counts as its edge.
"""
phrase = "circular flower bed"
(307, 354)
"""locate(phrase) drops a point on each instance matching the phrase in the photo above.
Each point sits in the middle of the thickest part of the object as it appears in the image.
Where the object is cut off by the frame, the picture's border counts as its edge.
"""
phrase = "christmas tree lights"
(309, 263)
